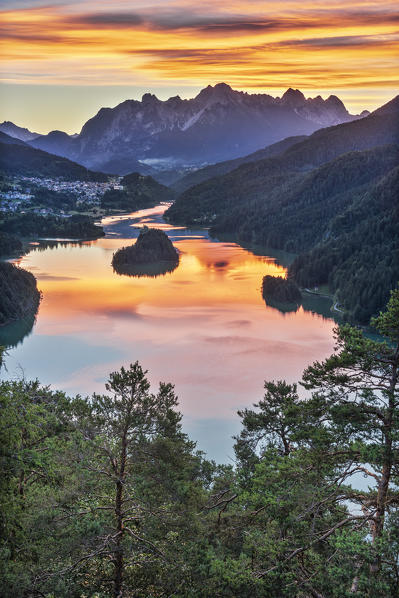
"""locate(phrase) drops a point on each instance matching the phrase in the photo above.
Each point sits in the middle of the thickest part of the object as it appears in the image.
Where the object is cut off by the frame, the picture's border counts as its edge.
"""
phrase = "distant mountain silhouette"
(218, 124)
(18, 158)
(17, 132)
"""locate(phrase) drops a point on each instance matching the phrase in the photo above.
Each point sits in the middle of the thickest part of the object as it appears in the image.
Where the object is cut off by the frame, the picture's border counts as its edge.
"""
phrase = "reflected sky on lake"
(204, 326)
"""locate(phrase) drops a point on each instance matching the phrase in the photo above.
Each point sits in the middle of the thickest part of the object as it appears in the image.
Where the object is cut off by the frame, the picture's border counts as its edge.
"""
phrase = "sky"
(62, 61)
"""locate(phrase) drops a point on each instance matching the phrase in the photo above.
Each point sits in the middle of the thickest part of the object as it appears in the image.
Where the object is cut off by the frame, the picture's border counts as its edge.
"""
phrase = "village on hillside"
(23, 194)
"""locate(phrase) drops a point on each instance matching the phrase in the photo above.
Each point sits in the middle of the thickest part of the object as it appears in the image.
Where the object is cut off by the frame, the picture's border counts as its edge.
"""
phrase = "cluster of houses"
(13, 201)
(19, 195)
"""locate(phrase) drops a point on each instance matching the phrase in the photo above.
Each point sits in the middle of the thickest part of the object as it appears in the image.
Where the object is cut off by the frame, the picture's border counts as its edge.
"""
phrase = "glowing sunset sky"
(62, 61)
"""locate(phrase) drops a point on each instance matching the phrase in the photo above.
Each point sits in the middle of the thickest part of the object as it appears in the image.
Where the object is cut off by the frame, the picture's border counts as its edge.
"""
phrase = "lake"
(204, 327)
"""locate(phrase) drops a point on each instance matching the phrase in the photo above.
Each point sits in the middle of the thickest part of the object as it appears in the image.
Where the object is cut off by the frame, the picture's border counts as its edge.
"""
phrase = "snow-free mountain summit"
(218, 124)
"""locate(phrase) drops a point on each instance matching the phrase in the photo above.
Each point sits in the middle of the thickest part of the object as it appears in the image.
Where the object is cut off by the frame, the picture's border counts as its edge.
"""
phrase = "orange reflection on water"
(209, 272)
(204, 327)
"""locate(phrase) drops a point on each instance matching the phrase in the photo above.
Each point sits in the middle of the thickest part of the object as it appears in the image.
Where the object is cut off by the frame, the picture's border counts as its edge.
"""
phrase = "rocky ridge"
(218, 124)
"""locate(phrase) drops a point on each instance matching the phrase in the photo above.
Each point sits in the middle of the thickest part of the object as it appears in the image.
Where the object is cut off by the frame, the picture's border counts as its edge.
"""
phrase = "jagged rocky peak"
(223, 88)
(149, 98)
(293, 98)
(21, 133)
(221, 92)
(175, 102)
(318, 100)
(334, 100)
(336, 103)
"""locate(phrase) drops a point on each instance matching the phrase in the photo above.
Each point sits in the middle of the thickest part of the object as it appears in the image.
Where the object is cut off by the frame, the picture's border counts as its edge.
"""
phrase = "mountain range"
(218, 124)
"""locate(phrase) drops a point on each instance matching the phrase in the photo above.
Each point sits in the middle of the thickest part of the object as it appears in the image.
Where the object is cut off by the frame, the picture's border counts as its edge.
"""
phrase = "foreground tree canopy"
(106, 496)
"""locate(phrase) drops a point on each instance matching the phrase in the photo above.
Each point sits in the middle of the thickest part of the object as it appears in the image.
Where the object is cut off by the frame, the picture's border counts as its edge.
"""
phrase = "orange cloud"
(177, 42)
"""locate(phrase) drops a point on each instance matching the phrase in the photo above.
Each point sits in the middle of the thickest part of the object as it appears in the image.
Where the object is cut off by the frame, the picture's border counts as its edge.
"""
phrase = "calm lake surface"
(204, 327)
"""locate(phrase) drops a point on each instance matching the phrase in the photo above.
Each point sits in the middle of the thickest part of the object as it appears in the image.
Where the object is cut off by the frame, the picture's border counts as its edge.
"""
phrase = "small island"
(152, 254)
(278, 290)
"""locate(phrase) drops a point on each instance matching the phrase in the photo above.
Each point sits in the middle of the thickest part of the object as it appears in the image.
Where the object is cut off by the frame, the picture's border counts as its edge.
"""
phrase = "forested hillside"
(209, 172)
(107, 496)
(8, 244)
(359, 259)
(298, 213)
(294, 201)
(138, 192)
(19, 296)
(18, 158)
(33, 225)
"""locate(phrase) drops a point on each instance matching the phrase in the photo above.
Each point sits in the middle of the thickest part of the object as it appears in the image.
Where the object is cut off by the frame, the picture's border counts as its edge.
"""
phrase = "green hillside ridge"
(19, 297)
(294, 202)
(208, 172)
(360, 258)
(19, 158)
(138, 192)
(7, 139)
(297, 212)
(78, 226)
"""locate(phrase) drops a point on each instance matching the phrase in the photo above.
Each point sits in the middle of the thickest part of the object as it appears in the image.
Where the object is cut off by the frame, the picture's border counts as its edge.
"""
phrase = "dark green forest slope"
(9, 244)
(295, 201)
(298, 213)
(209, 172)
(359, 259)
(32, 225)
(17, 158)
(19, 296)
(138, 192)
(107, 496)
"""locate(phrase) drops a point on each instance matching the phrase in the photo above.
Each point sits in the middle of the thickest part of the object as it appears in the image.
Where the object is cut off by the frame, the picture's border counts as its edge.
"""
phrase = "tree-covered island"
(152, 254)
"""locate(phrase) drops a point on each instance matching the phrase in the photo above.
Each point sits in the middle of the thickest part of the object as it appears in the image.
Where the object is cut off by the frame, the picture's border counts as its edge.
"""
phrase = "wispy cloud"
(248, 43)
(176, 20)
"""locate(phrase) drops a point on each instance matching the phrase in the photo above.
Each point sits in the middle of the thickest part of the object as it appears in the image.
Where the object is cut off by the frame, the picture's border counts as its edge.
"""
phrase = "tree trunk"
(383, 486)
(119, 561)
